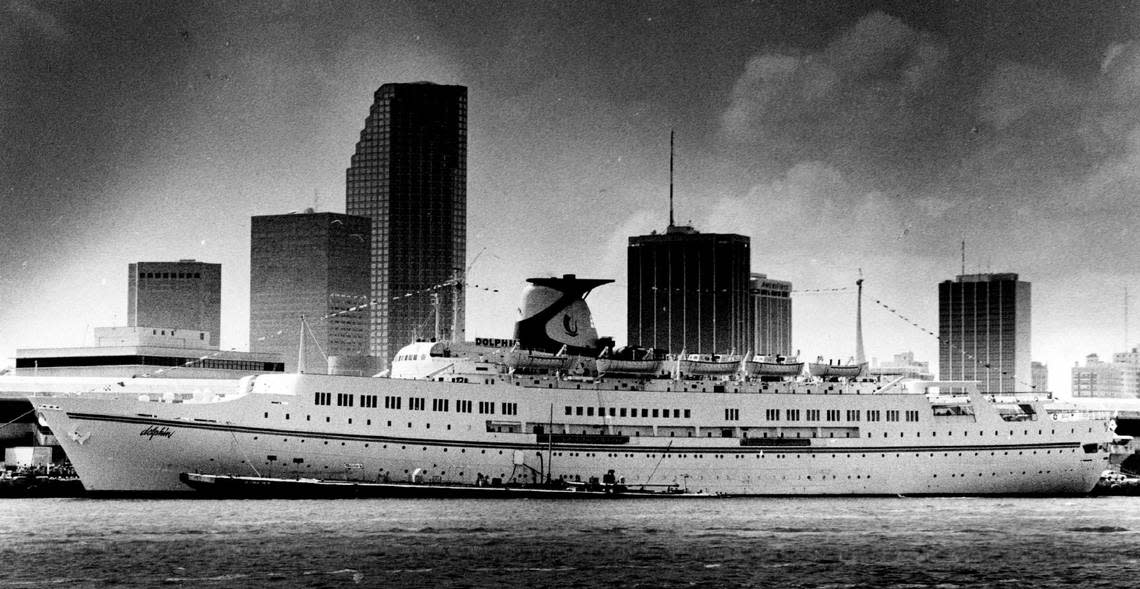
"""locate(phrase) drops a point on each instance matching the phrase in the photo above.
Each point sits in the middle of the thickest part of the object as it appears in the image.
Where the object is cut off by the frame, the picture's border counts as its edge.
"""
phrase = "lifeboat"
(535, 361)
(828, 370)
(772, 366)
(630, 360)
(709, 364)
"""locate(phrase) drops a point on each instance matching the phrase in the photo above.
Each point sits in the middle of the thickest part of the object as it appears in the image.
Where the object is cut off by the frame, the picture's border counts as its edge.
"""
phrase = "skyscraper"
(690, 291)
(311, 264)
(1040, 372)
(772, 313)
(983, 325)
(186, 294)
(409, 177)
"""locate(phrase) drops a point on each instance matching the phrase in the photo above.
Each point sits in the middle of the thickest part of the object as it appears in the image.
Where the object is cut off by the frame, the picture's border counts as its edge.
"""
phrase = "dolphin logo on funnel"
(570, 325)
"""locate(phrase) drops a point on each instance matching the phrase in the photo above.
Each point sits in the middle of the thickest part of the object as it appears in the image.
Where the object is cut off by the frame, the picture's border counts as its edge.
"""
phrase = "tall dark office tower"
(772, 312)
(689, 291)
(409, 176)
(182, 295)
(316, 265)
(983, 327)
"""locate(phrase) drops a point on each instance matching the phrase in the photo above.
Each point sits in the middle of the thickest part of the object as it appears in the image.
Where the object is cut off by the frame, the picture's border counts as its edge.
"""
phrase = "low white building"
(152, 352)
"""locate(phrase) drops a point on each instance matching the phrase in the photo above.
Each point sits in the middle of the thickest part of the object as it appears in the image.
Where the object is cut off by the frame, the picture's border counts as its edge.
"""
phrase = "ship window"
(569, 411)
(644, 412)
(654, 413)
(687, 413)
(578, 411)
(589, 411)
(623, 412)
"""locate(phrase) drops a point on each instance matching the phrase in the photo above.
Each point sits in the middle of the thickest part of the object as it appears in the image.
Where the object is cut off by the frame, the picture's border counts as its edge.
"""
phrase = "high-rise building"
(1129, 365)
(1097, 379)
(1117, 379)
(983, 325)
(186, 294)
(409, 177)
(315, 265)
(689, 291)
(772, 314)
(1040, 372)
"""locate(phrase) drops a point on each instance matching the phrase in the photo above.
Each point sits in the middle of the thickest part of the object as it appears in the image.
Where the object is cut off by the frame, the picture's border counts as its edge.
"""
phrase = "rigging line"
(663, 453)
(936, 336)
(316, 341)
(19, 417)
(817, 291)
(361, 307)
(602, 410)
(246, 456)
(354, 309)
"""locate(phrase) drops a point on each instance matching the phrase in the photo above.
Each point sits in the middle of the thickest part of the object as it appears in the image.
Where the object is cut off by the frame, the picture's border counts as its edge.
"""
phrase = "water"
(834, 543)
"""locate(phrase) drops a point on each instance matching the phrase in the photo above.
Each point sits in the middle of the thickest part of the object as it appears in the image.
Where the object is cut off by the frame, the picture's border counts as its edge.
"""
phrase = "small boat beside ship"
(254, 487)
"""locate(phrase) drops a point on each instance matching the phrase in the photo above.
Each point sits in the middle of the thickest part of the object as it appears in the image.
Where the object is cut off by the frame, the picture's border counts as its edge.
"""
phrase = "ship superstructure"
(541, 408)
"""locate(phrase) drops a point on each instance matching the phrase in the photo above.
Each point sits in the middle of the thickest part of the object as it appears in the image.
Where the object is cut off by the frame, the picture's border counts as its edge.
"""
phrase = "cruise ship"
(536, 409)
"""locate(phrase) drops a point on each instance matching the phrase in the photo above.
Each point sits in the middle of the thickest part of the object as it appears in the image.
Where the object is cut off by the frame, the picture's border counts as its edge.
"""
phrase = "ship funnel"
(554, 314)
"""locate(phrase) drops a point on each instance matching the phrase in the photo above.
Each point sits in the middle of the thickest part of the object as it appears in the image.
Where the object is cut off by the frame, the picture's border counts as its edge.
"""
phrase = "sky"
(842, 137)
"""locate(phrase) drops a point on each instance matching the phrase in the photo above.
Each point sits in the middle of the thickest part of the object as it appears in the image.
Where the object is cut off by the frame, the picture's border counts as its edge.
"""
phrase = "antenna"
(963, 256)
(859, 355)
(670, 177)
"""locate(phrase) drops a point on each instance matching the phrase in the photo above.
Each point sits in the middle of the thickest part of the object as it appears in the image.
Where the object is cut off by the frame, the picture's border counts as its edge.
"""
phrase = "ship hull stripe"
(668, 449)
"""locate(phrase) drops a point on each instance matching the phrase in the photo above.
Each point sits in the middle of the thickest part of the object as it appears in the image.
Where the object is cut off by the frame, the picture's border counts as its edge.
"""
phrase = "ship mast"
(435, 307)
(301, 349)
(457, 281)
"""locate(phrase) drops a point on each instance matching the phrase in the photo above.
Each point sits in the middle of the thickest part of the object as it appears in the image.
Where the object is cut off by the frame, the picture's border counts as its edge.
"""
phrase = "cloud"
(790, 217)
(864, 98)
(894, 126)
(32, 21)
(1026, 94)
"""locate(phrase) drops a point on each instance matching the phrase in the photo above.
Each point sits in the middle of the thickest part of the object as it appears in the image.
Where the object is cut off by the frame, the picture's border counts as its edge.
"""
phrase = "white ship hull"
(697, 435)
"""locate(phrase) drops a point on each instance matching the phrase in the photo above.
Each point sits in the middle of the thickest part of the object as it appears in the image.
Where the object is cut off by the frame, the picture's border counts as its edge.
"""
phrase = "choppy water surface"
(911, 543)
